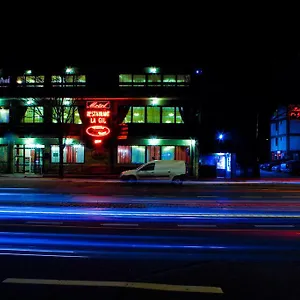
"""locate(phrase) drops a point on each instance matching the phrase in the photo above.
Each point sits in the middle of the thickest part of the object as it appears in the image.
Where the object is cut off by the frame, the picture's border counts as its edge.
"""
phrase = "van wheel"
(132, 179)
(177, 180)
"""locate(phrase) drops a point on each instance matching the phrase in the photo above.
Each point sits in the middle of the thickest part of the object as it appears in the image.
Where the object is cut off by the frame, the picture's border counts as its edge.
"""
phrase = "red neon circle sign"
(98, 131)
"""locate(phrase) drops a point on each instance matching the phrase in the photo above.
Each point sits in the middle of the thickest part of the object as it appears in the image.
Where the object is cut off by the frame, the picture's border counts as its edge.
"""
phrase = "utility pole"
(256, 170)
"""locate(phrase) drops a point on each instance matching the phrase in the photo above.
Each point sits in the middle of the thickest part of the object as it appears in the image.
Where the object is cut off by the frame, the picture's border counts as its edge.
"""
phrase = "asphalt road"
(218, 241)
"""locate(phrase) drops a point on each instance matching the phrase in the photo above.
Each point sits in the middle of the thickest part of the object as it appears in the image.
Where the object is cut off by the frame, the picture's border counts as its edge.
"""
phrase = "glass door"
(28, 159)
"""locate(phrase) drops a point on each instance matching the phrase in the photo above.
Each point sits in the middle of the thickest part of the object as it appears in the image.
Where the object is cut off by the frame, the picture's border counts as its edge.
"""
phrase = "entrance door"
(28, 159)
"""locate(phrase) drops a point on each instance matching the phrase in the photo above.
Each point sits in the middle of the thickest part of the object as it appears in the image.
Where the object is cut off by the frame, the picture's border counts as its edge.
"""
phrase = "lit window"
(183, 79)
(139, 80)
(138, 114)
(77, 119)
(167, 152)
(56, 80)
(34, 114)
(66, 114)
(31, 81)
(124, 154)
(68, 80)
(39, 80)
(178, 116)
(153, 153)
(138, 154)
(125, 78)
(4, 115)
(169, 80)
(128, 117)
(73, 154)
(154, 79)
(182, 153)
(153, 114)
(80, 79)
(20, 79)
(168, 115)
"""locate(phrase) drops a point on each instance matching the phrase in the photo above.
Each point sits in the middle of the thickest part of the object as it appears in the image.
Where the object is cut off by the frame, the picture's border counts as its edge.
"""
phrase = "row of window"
(142, 154)
(153, 80)
(153, 114)
(35, 114)
(56, 80)
(70, 114)
(73, 80)
(74, 154)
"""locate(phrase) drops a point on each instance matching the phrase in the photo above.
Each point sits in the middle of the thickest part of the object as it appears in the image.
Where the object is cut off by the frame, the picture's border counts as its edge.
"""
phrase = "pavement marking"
(274, 226)
(297, 197)
(133, 285)
(119, 224)
(197, 225)
(207, 196)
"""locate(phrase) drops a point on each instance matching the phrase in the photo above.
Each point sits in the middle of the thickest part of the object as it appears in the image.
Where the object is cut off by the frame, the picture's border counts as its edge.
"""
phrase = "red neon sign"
(98, 104)
(98, 113)
(98, 131)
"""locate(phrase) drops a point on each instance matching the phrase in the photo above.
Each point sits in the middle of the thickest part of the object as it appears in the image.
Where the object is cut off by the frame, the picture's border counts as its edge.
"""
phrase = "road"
(223, 240)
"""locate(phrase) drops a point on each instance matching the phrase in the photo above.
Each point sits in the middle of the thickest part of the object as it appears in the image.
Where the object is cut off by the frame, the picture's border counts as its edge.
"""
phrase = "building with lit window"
(105, 123)
(285, 133)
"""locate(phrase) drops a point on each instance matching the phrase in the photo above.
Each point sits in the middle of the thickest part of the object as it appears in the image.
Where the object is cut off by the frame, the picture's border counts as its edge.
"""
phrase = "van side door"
(146, 172)
(162, 171)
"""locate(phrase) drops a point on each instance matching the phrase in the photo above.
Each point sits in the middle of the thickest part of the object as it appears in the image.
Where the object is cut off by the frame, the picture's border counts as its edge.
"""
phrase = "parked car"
(291, 166)
(163, 170)
(276, 168)
(268, 166)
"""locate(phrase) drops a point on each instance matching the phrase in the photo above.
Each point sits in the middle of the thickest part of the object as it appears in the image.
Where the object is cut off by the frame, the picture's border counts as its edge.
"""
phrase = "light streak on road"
(93, 245)
(157, 212)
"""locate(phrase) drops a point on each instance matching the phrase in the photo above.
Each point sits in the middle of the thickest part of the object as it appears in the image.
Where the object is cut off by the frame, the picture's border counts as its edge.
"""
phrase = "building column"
(10, 158)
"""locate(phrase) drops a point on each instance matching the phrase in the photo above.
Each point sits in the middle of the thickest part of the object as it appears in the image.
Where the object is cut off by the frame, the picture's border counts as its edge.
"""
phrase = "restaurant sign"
(98, 113)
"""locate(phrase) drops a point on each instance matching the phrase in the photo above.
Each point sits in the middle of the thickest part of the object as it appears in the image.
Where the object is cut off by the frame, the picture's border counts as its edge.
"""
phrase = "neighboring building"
(285, 133)
(109, 122)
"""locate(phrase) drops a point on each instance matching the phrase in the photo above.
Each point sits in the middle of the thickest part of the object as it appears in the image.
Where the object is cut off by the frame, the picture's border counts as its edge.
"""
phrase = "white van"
(166, 170)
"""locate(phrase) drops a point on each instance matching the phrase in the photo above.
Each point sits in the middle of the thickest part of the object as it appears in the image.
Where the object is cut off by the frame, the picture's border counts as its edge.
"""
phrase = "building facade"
(285, 133)
(104, 123)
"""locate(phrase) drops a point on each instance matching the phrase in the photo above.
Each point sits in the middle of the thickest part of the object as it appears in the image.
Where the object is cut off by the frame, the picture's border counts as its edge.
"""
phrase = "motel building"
(107, 123)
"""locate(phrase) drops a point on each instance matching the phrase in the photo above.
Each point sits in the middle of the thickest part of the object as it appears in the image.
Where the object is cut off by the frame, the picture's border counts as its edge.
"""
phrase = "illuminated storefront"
(104, 134)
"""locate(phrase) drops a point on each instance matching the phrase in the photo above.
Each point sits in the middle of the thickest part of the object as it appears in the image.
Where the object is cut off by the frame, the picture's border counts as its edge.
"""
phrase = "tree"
(63, 112)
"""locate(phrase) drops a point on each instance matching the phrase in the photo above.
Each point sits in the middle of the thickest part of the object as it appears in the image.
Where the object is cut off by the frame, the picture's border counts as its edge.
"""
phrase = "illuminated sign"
(98, 131)
(98, 117)
(98, 113)
(294, 112)
(4, 80)
(98, 104)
